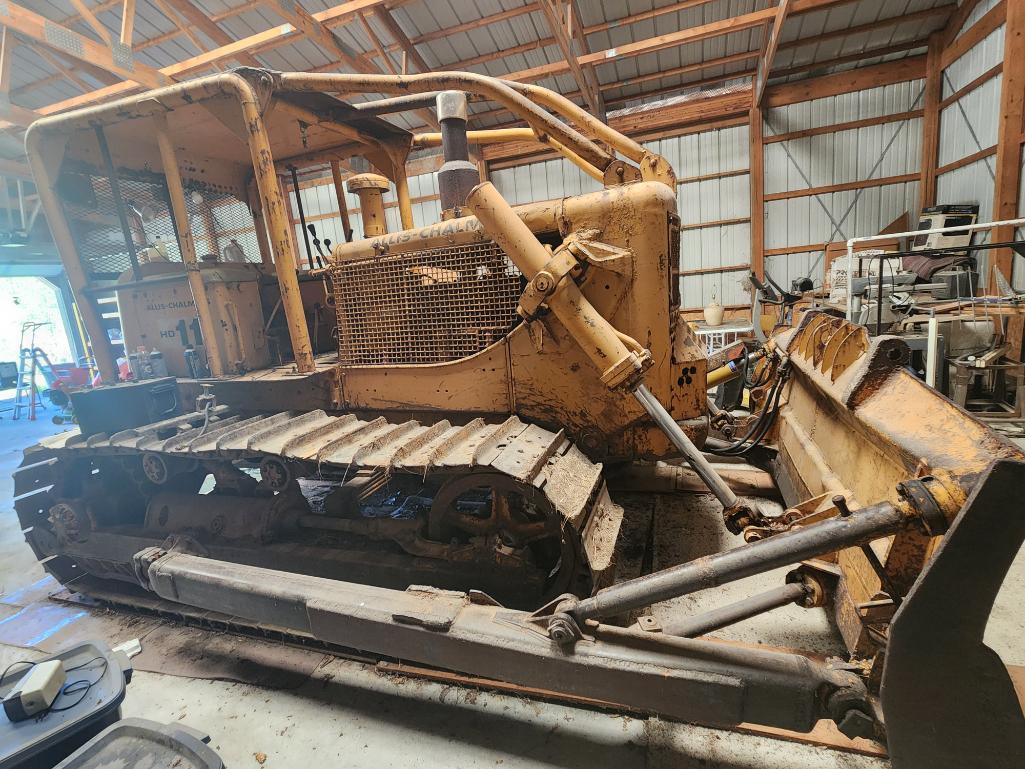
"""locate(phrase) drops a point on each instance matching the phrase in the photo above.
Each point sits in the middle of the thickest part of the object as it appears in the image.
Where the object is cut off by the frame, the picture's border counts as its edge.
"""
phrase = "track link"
(540, 464)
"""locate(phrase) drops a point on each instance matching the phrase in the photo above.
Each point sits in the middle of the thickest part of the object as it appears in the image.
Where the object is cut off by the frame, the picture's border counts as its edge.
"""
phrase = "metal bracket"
(570, 258)
(546, 281)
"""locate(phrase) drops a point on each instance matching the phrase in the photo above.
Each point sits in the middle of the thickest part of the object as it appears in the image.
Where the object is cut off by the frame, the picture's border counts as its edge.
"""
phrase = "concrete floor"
(261, 701)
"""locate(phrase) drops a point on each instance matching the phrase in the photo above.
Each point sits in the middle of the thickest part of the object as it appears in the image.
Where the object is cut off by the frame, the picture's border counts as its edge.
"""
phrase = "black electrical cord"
(80, 687)
(14, 664)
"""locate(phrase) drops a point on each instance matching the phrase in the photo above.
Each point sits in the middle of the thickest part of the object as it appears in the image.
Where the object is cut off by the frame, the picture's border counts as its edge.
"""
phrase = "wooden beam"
(401, 38)
(256, 43)
(652, 44)
(872, 26)
(769, 47)
(19, 116)
(716, 223)
(799, 7)
(966, 89)
(802, 249)
(195, 17)
(470, 26)
(44, 31)
(127, 22)
(90, 18)
(316, 31)
(177, 18)
(699, 66)
(756, 160)
(376, 42)
(14, 169)
(714, 270)
(967, 160)
(62, 68)
(867, 53)
(1009, 148)
(931, 122)
(901, 70)
(6, 53)
(956, 21)
(975, 34)
(579, 36)
(558, 14)
(714, 176)
(842, 187)
(686, 68)
(409, 54)
(850, 125)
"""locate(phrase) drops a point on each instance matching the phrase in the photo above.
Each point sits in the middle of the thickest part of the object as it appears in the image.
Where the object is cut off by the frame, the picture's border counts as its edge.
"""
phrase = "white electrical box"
(36, 690)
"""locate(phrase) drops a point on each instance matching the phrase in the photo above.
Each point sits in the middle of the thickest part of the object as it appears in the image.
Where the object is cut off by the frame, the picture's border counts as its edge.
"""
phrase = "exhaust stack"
(458, 175)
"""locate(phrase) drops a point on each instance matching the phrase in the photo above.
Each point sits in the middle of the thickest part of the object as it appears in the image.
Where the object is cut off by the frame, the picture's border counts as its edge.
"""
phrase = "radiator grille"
(424, 307)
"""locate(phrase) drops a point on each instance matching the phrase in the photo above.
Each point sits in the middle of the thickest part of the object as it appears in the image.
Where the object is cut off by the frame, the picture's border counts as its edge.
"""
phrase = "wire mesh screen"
(216, 218)
(428, 306)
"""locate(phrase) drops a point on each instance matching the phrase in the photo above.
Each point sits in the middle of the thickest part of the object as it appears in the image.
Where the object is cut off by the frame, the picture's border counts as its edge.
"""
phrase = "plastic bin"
(136, 742)
(46, 741)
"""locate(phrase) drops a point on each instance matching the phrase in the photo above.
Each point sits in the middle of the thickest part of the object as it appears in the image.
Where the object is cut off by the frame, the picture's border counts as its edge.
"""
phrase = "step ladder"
(32, 360)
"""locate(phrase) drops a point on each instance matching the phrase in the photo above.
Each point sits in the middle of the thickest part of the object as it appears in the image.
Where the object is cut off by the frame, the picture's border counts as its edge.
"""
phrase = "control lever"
(316, 244)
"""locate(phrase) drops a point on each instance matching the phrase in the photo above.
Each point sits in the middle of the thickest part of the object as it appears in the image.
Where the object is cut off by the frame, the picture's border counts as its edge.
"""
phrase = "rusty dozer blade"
(947, 698)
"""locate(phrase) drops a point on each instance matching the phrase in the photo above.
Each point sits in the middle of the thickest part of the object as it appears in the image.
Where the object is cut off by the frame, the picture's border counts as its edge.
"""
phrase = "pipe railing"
(908, 234)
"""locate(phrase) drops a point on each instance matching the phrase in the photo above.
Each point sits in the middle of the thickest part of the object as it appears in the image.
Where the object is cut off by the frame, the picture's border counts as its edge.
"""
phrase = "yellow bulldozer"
(411, 442)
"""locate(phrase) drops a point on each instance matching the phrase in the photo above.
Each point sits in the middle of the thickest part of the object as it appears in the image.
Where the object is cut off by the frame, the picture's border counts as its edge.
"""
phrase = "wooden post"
(45, 157)
(757, 164)
(181, 222)
(1009, 137)
(931, 123)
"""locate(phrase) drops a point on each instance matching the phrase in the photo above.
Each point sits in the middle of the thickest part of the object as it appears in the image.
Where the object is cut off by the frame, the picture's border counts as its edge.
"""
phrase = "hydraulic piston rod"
(686, 446)
(731, 614)
(784, 549)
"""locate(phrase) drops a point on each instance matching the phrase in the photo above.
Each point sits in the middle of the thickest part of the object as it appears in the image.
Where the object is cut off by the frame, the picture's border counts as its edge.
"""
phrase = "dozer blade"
(947, 698)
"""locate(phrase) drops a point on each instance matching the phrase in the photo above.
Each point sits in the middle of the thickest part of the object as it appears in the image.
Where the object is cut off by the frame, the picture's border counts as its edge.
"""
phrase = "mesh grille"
(425, 307)
(216, 218)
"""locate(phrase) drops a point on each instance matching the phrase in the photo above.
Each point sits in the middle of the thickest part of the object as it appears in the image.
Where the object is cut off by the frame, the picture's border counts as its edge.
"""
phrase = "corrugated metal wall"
(546, 180)
(715, 212)
(871, 152)
(700, 202)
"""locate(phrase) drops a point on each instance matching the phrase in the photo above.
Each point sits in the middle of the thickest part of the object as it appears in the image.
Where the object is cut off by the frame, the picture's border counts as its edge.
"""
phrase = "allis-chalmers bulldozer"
(412, 444)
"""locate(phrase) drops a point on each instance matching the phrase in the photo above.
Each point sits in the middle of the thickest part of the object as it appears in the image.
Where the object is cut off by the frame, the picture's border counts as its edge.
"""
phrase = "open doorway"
(29, 300)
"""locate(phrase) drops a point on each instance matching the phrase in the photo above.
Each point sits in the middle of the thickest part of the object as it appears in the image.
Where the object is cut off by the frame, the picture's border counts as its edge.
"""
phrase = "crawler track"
(510, 508)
